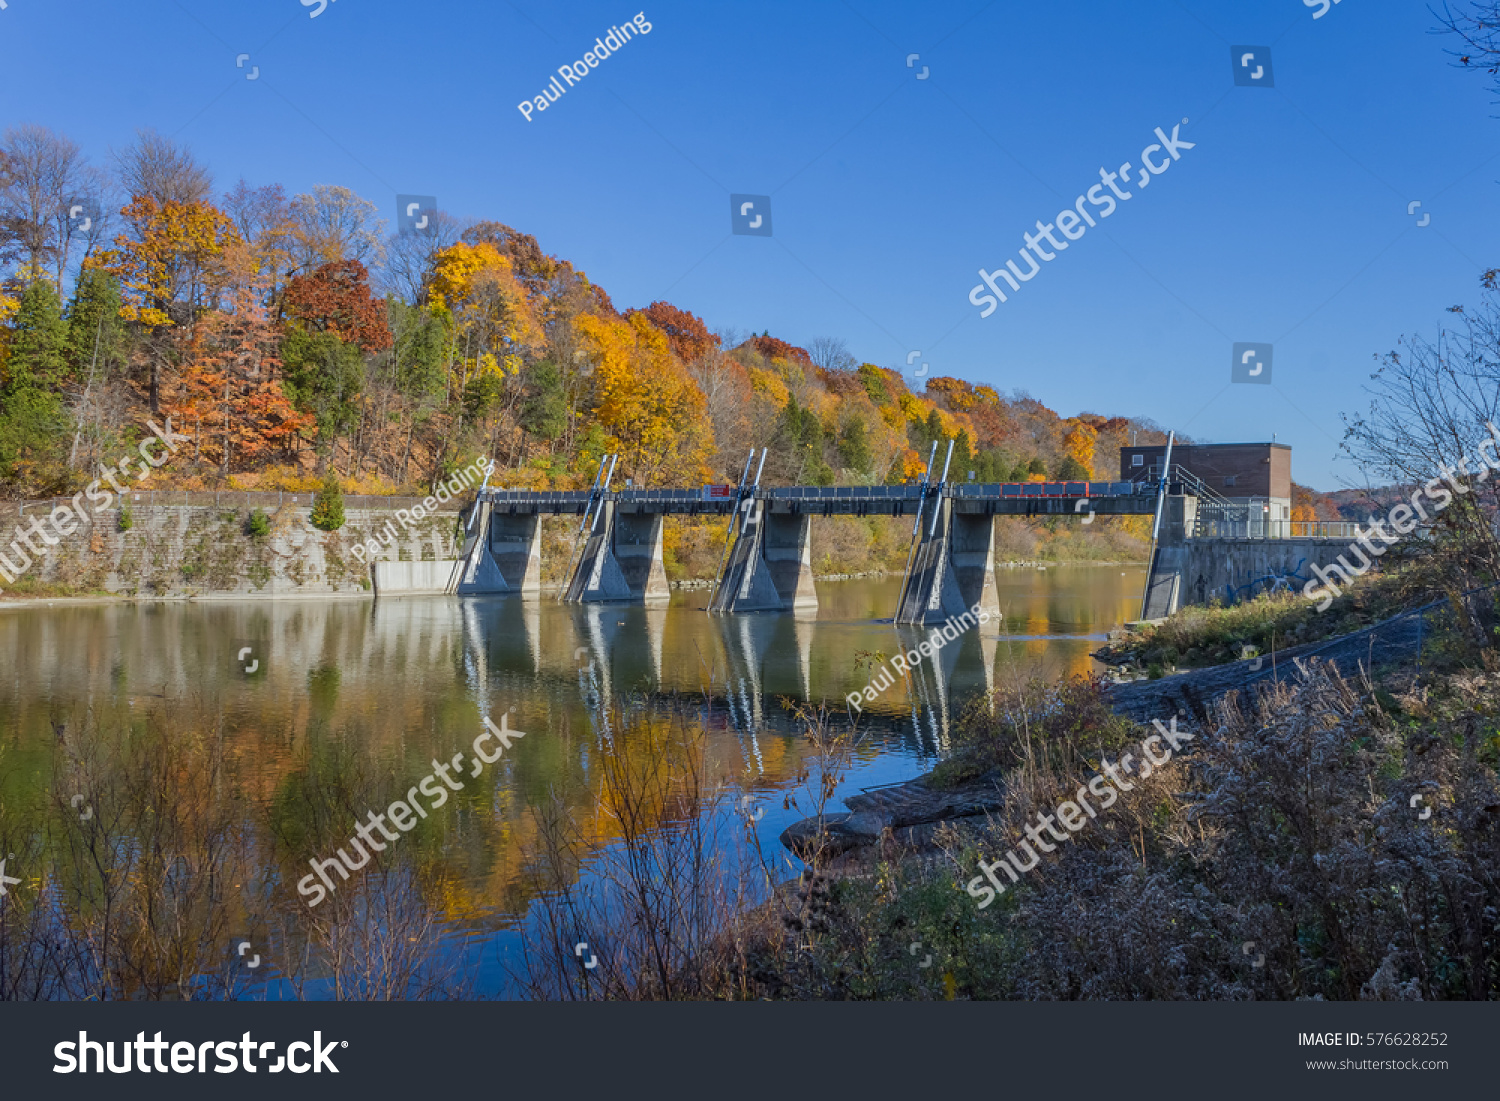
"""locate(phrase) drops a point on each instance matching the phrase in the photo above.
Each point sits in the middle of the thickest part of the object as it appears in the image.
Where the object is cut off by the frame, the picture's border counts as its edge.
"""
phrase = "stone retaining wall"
(207, 551)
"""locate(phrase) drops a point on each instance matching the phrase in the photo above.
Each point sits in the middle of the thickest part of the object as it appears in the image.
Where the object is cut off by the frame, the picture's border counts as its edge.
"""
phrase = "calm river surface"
(399, 683)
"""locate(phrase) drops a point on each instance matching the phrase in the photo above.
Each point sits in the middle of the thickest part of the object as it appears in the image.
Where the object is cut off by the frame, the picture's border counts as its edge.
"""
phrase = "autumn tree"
(1078, 445)
(262, 216)
(686, 333)
(230, 396)
(170, 264)
(555, 288)
(772, 348)
(646, 401)
(476, 289)
(494, 329)
(335, 298)
(955, 393)
(330, 224)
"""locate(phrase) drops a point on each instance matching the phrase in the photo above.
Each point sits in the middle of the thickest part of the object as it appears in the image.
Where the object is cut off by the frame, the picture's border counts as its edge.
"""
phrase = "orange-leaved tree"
(229, 396)
(335, 298)
(686, 332)
(1079, 444)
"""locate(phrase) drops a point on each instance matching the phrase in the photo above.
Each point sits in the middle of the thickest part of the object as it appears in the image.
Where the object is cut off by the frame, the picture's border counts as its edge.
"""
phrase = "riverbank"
(953, 790)
(1349, 781)
(966, 792)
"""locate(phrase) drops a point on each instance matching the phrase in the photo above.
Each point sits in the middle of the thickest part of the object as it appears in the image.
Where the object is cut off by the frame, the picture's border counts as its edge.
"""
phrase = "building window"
(1230, 481)
(1137, 460)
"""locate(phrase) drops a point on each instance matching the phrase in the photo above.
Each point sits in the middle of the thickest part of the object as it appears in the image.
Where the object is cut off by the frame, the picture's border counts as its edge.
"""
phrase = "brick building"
(1247, 474)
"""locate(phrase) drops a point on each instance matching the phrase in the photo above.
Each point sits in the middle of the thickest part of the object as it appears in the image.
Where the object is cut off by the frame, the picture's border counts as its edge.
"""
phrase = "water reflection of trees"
(187, 843)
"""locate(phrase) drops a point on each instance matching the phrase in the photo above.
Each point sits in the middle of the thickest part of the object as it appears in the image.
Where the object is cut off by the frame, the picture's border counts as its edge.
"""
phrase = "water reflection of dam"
(746, 664)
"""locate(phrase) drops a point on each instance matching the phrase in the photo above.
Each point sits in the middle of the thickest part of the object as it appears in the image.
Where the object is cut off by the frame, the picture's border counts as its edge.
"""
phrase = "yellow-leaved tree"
(474, 288)
(646, 401)
(1079, 444)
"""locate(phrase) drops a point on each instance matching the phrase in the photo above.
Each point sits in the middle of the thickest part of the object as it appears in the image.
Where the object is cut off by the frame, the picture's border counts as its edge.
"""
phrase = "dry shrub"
(1278, 856)
(1280, 859)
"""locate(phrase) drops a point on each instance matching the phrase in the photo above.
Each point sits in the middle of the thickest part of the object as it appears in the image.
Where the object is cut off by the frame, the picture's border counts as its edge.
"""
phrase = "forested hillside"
(292, 334)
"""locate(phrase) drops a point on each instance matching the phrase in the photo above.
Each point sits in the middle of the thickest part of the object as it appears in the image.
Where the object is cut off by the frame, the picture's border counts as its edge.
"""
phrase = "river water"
(393, 685)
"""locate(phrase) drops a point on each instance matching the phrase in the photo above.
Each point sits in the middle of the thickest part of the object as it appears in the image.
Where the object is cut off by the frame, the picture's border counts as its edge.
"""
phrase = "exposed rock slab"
(894, 807)
(1194, 692)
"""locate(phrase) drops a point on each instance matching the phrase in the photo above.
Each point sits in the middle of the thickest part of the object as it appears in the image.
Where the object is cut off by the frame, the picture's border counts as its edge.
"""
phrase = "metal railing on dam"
(1345, 530)
(1019, 498)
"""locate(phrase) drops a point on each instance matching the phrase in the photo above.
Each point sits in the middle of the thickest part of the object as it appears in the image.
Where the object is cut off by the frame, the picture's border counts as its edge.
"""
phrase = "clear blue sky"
(1286, 223)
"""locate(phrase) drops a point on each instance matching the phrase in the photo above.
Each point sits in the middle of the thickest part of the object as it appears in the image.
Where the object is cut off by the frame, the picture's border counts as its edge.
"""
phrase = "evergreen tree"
(934, 431)
(482, 395)
(874, 384)
(417, 357)
(805, 433)
(32, 420)
(324, 376)
(328, 506)
(39, 339)
(963, 458)
(1036, 466)
(1072, 471)
(96, 333)
(854, 446)
(992, 466)
(544, 412)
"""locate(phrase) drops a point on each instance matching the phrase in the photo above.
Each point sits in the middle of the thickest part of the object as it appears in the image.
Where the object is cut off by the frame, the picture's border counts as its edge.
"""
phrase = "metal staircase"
(1177, 474)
